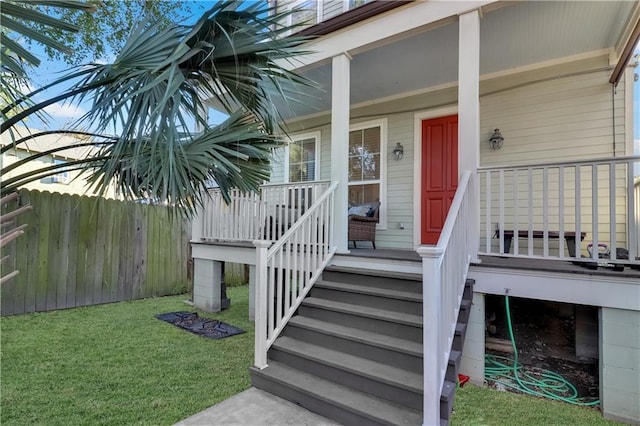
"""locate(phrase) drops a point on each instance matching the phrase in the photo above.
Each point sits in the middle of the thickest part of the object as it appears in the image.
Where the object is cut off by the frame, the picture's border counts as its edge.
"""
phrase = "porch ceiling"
(513, 36)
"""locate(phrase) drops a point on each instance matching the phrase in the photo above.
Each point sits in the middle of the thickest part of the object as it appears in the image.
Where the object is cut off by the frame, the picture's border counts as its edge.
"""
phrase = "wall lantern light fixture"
(496, 140)
(398, 151)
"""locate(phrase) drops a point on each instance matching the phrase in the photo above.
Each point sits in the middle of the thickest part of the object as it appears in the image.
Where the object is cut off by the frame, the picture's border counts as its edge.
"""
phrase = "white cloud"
(64, 112)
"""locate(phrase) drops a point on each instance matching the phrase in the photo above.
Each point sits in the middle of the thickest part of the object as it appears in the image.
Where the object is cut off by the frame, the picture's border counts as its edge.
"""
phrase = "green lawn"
(116, 364)
(484, 406)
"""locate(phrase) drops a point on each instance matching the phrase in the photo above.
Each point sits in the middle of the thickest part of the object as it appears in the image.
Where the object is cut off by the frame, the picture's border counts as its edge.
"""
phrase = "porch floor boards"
(544, 265)
(389, 254)
(549, 265)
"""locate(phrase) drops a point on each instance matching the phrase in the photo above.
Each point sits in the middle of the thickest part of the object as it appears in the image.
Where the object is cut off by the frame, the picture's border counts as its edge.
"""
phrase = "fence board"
(81, 250)
(72, 262)
(53, 267)
(43, 252)
(114, 248)
(28, 260)
(151, 242)
(98, 252)
(83, 295)
(63, 267)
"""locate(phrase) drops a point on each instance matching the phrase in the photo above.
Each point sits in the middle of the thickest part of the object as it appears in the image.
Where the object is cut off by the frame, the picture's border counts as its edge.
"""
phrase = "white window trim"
(382, 124)
(297, 137)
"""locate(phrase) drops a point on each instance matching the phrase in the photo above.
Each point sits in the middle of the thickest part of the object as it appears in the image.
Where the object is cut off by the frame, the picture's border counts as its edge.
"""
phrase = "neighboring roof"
(50, 141)
(351, 17)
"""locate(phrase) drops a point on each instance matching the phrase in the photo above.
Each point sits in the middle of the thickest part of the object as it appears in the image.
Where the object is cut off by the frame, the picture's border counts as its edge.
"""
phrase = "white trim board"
(582, 289)
(387, 265)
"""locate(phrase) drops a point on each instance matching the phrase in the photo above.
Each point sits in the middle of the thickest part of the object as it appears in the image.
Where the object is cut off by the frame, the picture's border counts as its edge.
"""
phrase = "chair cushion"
(364, 210)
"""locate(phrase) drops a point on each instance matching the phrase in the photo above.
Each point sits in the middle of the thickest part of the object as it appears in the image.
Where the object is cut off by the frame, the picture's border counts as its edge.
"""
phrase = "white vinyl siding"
(278, 164)
(553, 120)
(399, 186)
(331, 8)
(565, 119)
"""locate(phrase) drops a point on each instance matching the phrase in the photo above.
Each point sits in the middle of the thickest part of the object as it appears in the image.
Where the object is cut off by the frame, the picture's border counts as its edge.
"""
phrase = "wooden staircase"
(353, 351)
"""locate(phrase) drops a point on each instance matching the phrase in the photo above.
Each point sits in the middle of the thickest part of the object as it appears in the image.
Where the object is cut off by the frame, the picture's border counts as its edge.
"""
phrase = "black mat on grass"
(206, 327)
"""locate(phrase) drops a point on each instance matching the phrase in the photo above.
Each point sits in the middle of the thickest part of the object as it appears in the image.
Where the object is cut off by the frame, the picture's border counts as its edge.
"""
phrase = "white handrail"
(286, 271)
(445, 267)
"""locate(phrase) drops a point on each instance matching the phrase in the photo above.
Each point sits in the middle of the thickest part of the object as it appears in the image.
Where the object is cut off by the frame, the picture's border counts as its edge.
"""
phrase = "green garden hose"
(532, 380)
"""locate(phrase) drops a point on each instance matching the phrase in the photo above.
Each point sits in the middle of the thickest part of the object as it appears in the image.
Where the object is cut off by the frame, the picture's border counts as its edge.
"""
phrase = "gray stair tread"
(341, 396)
(374, 291)
(369, 337)
(399, 317)
(378, 371)
(375, 272)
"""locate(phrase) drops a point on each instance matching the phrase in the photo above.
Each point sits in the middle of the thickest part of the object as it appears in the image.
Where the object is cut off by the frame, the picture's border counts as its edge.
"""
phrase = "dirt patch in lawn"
(545, 336)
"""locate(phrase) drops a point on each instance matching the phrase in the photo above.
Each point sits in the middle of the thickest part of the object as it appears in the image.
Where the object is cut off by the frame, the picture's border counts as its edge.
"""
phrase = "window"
(61, 177)
(367, 148)
(357, 3)
(302, 158)
(308, 12)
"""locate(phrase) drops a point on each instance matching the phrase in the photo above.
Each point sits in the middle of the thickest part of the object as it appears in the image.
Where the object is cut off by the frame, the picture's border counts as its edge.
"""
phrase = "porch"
(297, 218)
(583, 213)
(461, 66)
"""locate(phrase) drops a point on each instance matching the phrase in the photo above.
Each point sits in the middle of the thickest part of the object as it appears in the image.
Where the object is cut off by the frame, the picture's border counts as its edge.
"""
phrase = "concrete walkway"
(254, 407)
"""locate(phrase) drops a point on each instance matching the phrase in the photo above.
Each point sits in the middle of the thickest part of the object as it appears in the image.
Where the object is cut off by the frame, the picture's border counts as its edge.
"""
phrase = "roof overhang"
(628, 41)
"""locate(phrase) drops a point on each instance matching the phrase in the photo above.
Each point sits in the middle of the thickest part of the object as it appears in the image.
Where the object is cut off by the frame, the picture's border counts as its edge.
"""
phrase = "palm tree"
(15, 58)
(146, 104)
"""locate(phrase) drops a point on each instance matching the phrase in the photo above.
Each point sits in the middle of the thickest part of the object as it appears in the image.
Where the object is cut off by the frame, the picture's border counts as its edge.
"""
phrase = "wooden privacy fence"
(79, 251)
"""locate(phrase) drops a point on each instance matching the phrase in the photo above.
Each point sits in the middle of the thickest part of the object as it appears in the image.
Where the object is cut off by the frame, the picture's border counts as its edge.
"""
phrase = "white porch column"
(469, 111)
(340, 99)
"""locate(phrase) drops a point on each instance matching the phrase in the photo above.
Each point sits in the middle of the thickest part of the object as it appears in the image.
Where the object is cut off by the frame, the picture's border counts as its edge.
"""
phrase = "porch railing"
(286, 271)
(574, 209)
(251, 216)
(444, 272)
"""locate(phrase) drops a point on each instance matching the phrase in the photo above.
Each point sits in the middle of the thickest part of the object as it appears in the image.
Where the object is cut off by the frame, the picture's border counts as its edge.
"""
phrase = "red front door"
(439, 174)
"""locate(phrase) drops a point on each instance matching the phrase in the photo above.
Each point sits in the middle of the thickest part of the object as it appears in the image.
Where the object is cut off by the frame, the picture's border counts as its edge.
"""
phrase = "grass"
(484, 406)
(116, 364)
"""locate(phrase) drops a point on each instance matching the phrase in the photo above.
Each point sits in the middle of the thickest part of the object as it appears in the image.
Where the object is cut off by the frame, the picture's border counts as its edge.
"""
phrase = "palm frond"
(16, 22)
(153, 93)
(235, 154)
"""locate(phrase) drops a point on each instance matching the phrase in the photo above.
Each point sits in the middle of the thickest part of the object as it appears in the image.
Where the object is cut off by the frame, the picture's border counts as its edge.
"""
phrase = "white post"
(469, 113)
(197, 224)
(431, 300)
(252, 293)
(260, 358)
(340, 89)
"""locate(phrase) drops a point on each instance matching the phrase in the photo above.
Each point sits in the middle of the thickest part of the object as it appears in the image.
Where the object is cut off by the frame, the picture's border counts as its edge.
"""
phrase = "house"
(497, 138)
(65, 181)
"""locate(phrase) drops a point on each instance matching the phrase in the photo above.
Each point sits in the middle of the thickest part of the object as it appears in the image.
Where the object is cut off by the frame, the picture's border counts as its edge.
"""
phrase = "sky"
(64, 115)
